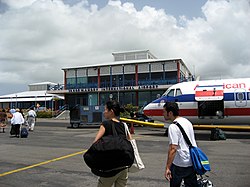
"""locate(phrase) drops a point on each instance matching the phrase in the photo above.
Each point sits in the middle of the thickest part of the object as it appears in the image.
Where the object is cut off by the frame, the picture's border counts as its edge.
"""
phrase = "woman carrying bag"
(112, 115)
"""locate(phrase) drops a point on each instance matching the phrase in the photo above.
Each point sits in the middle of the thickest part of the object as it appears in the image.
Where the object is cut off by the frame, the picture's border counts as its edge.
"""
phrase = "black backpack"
(217, 134)
(109, 155)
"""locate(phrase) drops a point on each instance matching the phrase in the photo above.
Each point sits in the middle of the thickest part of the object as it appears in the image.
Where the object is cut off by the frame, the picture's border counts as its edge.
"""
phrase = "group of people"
(16, 118)
(178, 165)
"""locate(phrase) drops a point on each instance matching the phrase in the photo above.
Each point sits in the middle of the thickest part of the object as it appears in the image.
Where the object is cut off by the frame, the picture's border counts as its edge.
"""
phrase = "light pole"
(36, 102)
(11, 103)
(45, 101)
(52, 105)
(16, 100)
(90, 100)
(118, 93)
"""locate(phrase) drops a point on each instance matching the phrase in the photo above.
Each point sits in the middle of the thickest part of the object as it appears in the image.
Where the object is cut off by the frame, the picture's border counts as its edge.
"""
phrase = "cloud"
(14, 4)
(40, 37)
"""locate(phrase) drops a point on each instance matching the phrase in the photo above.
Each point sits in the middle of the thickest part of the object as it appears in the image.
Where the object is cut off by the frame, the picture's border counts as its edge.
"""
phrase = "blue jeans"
(186, 173)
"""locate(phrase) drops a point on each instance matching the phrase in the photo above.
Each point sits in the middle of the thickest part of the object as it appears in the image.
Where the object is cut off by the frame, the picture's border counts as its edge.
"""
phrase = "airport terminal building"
(134, 77)
(36, 97)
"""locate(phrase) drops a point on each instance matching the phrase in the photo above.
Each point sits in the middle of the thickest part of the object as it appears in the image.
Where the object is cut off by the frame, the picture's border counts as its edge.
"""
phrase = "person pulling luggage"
(17, 120)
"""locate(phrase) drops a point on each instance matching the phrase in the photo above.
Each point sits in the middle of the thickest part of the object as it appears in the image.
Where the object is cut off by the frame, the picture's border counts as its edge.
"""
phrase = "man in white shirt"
(17, 120)
(179, 164)
(31, 119)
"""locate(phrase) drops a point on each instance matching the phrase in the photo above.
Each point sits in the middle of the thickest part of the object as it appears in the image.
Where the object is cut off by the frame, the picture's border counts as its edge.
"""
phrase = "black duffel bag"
(109, 155)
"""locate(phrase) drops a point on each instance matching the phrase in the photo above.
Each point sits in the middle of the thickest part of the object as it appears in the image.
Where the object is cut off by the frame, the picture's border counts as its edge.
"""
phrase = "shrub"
(44, 114)
(128, 109)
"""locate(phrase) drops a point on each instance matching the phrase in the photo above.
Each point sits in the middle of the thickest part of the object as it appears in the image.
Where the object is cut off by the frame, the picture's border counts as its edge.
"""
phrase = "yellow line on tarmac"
(41, 163)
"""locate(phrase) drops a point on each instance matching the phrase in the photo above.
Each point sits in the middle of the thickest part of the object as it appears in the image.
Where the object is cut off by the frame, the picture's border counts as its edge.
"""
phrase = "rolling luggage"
(24, 132)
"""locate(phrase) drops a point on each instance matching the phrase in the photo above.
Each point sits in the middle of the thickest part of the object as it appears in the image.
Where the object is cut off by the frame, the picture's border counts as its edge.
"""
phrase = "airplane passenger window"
(178, 92)
(171, 93)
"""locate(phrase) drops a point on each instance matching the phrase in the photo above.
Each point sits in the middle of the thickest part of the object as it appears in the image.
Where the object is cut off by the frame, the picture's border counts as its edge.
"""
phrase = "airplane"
(225, 101)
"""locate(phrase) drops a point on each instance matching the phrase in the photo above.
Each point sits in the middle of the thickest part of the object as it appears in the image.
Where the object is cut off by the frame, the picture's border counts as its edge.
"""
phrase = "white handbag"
(138, 164)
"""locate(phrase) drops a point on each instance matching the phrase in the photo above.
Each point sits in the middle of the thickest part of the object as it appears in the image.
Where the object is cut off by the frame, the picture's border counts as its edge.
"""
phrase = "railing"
(81, 85)
(31, 107)
(125, 83)
(106, 84)
(156, 82)
(61, 110)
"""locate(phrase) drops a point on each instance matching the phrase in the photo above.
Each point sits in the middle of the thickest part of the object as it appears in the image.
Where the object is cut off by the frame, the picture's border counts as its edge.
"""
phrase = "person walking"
(179, 164)
(112, 115)
(31, 119)
(17, 120)
(3, 119)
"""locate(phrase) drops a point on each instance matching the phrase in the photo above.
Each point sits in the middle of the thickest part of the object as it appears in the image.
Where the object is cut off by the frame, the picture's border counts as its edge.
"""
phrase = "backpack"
(217, 134)
(109, 155)
(24, 133)
(199, 159)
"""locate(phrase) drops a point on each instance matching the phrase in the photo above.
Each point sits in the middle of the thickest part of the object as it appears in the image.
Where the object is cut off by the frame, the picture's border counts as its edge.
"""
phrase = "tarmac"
(52, 156)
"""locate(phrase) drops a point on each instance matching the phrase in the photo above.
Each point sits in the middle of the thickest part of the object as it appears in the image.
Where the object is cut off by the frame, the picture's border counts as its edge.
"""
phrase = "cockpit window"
(171, 93)
(178, 92)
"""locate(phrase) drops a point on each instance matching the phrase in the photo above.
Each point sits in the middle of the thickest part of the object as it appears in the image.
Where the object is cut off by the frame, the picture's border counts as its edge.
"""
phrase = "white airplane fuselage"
(207, 102)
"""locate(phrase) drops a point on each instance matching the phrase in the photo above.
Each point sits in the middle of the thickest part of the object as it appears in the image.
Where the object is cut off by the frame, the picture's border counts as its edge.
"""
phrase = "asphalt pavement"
(52, 156)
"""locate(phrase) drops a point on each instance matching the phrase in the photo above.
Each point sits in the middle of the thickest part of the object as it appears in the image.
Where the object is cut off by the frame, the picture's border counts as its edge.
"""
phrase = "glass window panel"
(70, 73)
(178, 92)
(156, 67)
(81, 72)
(171, 93)
(105, 81)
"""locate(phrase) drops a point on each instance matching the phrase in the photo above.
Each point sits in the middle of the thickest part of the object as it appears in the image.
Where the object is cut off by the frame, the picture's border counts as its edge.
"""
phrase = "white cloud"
(16, 4)
(40, 37)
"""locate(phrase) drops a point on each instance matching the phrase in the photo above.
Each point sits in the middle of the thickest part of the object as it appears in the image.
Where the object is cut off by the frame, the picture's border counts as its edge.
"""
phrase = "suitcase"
(24, 132)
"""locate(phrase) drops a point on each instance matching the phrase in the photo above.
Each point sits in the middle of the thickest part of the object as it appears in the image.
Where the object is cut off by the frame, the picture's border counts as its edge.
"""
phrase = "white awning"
(9, 100)
(29, 96)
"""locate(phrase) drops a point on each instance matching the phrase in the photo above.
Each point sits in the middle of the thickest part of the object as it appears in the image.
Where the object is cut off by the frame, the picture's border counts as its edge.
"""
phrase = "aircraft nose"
(146, 109)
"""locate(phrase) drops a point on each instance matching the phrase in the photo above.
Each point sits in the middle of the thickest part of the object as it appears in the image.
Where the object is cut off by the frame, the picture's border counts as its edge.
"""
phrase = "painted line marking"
(42, 163)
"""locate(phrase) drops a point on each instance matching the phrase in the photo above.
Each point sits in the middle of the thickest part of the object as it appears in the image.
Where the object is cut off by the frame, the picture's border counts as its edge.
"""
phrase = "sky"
(40, 37)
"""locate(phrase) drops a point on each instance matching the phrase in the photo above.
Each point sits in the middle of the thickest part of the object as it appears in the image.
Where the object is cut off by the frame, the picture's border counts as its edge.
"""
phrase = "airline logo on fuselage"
(234, 85)
(224, 86)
